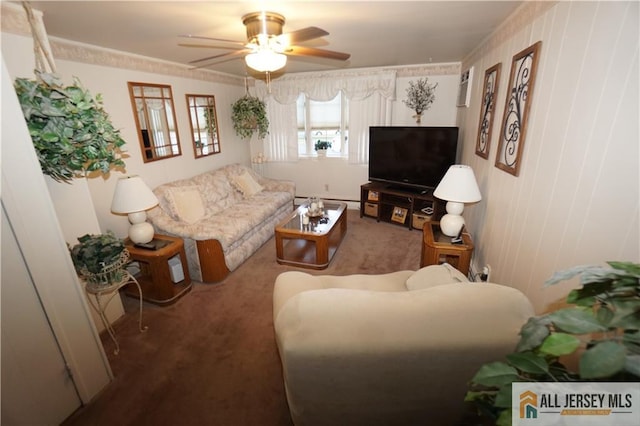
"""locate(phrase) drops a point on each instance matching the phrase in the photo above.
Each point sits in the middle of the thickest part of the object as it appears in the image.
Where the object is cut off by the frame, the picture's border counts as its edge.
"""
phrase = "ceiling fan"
(267, 47)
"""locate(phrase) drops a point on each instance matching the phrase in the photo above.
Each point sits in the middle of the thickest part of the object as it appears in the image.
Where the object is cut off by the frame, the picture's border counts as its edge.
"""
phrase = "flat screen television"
(411, 157)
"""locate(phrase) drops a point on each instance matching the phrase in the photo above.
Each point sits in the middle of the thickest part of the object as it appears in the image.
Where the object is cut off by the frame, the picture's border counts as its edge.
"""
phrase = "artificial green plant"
(95, 251)
(71, 132)
(601, 329)
(249, 115)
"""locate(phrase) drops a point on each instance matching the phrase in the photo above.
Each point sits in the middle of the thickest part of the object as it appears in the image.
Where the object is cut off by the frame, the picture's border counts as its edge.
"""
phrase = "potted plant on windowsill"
(100, 259)
(71, 132)
(321, 147)
(249, 115)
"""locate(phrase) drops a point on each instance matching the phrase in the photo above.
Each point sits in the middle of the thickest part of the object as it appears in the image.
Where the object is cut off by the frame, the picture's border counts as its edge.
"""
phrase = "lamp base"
(451, 223)
(141, 231)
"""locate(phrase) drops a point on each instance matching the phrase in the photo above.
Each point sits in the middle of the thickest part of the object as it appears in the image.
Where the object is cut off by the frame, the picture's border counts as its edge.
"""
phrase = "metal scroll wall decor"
(489, 94)
(516, 110)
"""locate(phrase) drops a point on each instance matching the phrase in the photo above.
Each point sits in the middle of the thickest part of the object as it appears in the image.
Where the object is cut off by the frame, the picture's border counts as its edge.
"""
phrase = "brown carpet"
(211, 358)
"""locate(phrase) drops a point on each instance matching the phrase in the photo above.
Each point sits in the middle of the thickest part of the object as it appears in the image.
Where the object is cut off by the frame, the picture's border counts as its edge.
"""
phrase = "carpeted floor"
(211, 358)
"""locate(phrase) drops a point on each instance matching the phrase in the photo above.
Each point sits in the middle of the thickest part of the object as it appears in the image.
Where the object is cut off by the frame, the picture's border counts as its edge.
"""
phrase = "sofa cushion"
(434, 275)
(186, 203)
(246, 184)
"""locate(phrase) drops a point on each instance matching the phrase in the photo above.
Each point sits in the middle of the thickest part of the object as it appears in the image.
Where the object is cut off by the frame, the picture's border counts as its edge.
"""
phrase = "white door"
(36, 389)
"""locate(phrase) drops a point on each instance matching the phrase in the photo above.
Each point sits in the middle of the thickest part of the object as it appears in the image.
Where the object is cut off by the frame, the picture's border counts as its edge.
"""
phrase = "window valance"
(325, 86)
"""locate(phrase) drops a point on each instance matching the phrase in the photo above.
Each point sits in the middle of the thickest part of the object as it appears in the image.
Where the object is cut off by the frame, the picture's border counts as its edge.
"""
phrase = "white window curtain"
(374, 110)
(281, 144)
(369, 93)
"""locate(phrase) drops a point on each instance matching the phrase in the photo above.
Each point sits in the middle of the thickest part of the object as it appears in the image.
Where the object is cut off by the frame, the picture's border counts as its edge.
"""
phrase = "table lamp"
(133, 197)
(458, 186)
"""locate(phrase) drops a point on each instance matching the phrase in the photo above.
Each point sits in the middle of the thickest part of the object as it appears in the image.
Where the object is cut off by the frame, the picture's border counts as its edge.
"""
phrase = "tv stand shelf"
(401, 206)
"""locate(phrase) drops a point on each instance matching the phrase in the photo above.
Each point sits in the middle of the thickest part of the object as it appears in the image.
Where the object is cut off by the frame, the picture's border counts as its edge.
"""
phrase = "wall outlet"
(486, 273)
(326, 187)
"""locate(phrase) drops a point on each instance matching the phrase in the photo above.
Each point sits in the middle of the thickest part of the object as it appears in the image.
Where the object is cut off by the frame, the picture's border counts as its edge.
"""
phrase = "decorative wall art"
(516, 110)
(487, 109)
(464, 91)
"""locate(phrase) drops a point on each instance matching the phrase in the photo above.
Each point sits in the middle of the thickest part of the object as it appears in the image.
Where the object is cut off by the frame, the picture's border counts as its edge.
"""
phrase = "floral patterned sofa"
(223, 215)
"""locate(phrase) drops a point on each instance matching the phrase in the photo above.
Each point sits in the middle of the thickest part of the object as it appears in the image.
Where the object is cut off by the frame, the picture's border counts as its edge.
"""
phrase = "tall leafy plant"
(601, 329)
(71, 132)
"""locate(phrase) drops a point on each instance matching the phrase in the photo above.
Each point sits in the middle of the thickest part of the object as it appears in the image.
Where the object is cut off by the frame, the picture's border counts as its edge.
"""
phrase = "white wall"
(576, 200)
(111, 83)
(343, 180)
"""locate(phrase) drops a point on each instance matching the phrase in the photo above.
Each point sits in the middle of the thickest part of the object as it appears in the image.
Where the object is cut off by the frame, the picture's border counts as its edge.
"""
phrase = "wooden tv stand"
(400, 206)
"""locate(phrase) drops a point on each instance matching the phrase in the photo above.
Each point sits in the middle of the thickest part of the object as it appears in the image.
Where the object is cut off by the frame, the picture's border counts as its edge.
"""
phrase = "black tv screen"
(412, 157)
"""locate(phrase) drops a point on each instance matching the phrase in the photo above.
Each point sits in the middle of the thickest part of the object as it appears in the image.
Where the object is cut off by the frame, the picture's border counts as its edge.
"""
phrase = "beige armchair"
(389, 349)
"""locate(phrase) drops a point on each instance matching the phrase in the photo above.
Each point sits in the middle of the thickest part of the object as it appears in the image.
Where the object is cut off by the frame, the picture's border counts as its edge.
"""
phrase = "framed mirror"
(204, 125)
(155, 120)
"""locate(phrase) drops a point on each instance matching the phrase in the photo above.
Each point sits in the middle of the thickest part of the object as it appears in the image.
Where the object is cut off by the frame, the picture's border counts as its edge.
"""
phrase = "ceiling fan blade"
(304, 34)
(220, 59)
(320, 53)
(224, 40)
(209, 46)
(226, 56)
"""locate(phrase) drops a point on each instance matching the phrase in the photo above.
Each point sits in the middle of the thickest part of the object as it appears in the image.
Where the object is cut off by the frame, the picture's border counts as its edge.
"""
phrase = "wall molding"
(72, 51)
(14, 20)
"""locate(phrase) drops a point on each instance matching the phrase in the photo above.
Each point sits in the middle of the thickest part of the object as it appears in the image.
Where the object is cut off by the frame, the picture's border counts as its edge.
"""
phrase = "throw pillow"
(187, 204)
(246, 184)
(433, 275)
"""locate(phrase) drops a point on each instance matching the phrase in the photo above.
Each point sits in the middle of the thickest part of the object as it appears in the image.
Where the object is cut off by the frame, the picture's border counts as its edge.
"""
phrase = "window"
(204, 125)
(155, 119)
(323, 121)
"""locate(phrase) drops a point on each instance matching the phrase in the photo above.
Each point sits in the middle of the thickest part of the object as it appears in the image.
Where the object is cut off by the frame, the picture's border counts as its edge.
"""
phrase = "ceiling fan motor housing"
(269, 23)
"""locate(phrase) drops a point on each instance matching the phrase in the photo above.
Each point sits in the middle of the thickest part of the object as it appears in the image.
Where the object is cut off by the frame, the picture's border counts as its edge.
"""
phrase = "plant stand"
(111, 291)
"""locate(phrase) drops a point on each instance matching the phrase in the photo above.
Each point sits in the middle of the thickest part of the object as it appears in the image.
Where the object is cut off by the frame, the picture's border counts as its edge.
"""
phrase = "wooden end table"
(155, 276)
(437, 248)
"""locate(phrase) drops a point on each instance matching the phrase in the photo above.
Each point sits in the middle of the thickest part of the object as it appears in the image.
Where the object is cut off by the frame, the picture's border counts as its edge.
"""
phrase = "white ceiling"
(375, 33)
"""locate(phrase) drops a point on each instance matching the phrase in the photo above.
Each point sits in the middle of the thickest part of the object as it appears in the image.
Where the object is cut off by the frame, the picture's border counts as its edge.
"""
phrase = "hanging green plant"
(71, 132)
(249, 114)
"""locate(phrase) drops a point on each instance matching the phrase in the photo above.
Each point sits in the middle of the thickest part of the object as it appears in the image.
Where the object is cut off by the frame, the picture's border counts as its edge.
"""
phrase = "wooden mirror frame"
(204, 125)
(158, 142)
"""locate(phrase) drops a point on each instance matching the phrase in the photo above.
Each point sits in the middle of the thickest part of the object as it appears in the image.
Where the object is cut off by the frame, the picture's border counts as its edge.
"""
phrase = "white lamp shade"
(266, 60)
(458, 184)
(132, 195)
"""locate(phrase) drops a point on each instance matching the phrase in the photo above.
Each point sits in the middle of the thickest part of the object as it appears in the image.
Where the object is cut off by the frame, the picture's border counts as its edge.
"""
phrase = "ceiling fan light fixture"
(265, 60)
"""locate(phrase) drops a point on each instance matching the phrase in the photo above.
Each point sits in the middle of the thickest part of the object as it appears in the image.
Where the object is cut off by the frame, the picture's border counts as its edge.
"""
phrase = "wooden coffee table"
(313, 245)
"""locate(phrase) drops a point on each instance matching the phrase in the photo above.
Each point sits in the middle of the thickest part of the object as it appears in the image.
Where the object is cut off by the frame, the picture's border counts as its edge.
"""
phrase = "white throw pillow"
(246, 184)
(187, 204)
(434, 275)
